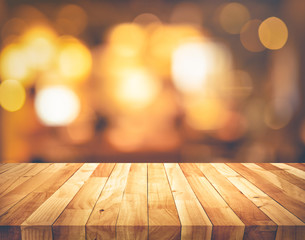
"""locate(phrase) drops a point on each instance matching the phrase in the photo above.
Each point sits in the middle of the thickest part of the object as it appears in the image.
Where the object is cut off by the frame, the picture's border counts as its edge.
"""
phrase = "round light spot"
(273, 33)
(12, 95)
(57, 106)
(249, 36)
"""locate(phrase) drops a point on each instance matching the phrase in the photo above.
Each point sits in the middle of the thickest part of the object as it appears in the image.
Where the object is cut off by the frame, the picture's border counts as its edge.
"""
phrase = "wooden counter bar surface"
(154, 201)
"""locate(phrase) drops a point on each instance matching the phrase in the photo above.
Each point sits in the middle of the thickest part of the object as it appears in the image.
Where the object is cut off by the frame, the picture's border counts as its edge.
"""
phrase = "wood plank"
(19, 178)
(300, 166)
(54, 177)
(277, 193)
(71, 223)
(195, 223)
(289, 226)
(163, 217)
(226, 224)
(11, 198)
(38, 224)
(288, 168)
(101, 223)
(258, 225)
(132, 221)
(283, 174)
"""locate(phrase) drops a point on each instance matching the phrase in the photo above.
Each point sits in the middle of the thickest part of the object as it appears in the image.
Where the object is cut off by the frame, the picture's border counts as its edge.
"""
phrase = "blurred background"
(161, 81)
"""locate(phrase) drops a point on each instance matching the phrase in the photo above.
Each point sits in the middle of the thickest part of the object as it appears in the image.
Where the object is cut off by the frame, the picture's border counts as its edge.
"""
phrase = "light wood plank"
(163, 217)
(195, 223)
(132, 221)
(17, 179)
(11, 220)
(295, 171)
(101, 223)
(226, 224)
(289, 226)
(300, 166)
(283, 174)
(277, 193)
(287, 187)
(258, 225)
(71, 223)
(39, 223)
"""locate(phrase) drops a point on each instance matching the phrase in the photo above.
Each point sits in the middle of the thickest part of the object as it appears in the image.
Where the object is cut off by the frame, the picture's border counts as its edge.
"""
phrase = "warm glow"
(57, 105)
(193, 63)
(233, 16)
(187, 13)
(12, 95)
(249, 36)
(127, 38)
(39, 45)
(14, 64)
(71, 19)
(74, 60)
(278, 114)
(206, 113)
(136, 88)
(146, 19)
(273, 33)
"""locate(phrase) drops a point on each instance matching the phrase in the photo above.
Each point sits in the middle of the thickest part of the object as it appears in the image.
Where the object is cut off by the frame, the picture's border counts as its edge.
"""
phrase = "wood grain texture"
(164, 223)
(194, 220)
(152, 201)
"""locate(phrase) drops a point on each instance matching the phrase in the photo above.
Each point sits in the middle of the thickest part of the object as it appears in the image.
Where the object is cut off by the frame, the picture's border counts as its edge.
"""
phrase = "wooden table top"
(152, 200)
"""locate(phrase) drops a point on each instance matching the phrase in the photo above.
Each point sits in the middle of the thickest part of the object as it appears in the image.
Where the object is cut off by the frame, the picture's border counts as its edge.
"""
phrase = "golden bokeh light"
(127, 38)
(74, 61)
(249, 36)
(136, 89)
(146, 19)
(206, 113)
(39, 46)
(71, 20)
(15, 65)
(196, 62)
(187, 13)
(273, 33)
(57, 106)
(233, 16)
(12, 95)
(13, 28)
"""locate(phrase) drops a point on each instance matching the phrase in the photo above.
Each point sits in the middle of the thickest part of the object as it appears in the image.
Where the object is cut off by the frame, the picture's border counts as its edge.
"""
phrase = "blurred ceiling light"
(12, 95)
(127, 38)
(71, 20)
(15, 65)
(187, 13)
(146, 19)
(163, 41)
(273, 33)
(30, 14)
(194, 62)
(75, 60)
(57, 106)
(206, 113)
(278, 114)
(249, 36)
(233, 16)
(136, 89)
(39, 46)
